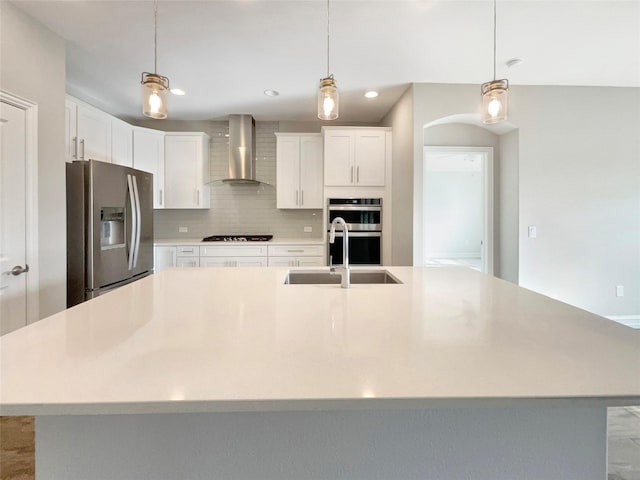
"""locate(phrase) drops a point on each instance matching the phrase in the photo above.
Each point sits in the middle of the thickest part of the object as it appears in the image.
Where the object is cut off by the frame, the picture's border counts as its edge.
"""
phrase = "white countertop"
(274, 241)
(238, 339)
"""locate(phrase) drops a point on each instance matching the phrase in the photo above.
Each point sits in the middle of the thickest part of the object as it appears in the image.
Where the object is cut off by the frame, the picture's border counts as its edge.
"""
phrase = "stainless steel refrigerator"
(109, 228)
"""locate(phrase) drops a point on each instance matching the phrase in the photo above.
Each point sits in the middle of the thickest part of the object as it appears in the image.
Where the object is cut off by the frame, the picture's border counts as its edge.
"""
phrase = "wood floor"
(17, 446)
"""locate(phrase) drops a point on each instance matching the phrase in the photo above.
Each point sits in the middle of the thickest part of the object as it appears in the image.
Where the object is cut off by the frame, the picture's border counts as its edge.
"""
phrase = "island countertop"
(239, 339)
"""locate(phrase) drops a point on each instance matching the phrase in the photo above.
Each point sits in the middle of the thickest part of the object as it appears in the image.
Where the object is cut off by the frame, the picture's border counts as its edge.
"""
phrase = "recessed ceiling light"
(271, 93)
(177, 91)
(514, 62)
(371, 94)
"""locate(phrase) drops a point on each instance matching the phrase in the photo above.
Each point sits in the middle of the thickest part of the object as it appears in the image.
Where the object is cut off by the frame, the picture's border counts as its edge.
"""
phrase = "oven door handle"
(359, 234)
(363, 208)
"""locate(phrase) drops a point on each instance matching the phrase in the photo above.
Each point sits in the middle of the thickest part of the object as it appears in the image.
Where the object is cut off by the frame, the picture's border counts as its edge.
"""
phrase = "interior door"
(13, 232)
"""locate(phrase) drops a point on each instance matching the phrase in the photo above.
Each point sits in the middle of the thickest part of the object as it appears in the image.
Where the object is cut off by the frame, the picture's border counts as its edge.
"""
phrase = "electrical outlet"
(308, 229)
(533, 231)
(183, 229)
(620, 291)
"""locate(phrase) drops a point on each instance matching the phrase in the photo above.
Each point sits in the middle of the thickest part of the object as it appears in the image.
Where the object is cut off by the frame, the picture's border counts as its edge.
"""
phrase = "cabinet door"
(251, 261)
(183, 170)
(70, 131)
(94, 134)
(282, 262)
(311, 186)
(188, 262)
(338, 157)
(311, 262)
(121, 143)
(148, 155)
(288, 171)
(370, 154)
(163, 257)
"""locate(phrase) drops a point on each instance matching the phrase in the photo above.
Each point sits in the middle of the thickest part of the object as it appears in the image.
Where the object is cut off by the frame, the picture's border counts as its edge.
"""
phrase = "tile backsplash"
(240, 209)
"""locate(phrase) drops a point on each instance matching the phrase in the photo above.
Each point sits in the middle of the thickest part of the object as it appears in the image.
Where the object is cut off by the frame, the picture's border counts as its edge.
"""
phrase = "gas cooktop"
(238, 238)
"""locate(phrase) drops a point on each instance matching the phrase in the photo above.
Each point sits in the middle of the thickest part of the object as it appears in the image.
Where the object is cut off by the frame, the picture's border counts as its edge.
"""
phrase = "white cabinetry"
(355, 156)
(188, 256)
(164, 256)
(233, 256)
(299, 170)
(121, 143)
(87, 132)
(186, 163)
(148, 155)
(296, 255)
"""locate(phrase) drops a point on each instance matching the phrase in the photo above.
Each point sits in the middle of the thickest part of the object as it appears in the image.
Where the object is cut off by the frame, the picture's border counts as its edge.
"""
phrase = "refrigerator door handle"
(138, 217)
(134, 222)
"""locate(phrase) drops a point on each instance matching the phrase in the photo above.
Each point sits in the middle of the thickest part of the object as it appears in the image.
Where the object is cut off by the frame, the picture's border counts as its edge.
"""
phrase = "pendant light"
(154, 86)
(494, 93)
(328, 96)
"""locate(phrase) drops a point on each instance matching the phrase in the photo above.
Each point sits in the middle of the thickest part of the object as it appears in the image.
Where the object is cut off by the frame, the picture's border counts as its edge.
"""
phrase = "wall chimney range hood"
(242, 151)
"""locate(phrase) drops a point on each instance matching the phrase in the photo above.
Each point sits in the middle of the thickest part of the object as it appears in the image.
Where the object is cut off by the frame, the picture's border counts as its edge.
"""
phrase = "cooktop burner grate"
(238, 238)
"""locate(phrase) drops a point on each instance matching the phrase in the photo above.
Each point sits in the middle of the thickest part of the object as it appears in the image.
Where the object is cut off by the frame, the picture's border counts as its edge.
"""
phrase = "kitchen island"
(231, 373)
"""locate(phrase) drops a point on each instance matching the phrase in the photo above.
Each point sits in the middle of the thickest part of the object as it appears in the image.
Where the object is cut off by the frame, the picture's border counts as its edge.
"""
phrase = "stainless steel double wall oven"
(364, 221)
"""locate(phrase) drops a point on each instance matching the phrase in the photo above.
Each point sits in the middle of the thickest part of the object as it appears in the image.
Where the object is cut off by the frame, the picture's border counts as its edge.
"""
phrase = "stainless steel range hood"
(242, 150)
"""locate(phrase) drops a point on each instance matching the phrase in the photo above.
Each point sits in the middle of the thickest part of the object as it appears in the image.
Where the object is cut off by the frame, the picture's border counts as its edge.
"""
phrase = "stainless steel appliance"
(363, 217)
(109, 228)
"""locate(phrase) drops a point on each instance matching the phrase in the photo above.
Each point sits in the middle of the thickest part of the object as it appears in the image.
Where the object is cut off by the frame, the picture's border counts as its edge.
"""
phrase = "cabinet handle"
(75, 147)
(295, 251)
(82, 144)
(351, 174)
(297, 263)
(358, 174)
(301, 197)
(187, 250)
(160, 196)
(197, 197)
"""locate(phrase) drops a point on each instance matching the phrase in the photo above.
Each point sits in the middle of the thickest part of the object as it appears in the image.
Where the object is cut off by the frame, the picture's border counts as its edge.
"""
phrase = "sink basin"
(324, 277)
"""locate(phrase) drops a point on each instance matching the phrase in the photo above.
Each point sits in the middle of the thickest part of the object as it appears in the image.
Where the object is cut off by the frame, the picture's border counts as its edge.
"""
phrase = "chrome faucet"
(345, 273)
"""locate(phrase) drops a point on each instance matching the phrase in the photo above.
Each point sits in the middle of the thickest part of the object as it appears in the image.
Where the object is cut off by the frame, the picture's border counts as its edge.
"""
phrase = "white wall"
(506, 197)
(400, 117)
(33, 67)
(579, 183)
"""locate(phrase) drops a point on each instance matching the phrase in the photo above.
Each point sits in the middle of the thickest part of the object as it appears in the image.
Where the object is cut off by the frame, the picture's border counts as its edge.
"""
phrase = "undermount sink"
(324, 277)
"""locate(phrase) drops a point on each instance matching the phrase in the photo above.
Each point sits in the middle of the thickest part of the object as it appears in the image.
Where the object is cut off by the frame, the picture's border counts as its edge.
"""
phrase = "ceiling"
(225, 53)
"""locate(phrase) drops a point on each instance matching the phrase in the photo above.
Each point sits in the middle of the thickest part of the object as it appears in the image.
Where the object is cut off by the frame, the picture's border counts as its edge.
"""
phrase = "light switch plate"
(183, 229)
(533, 231)
(620, 291)
(308, 229)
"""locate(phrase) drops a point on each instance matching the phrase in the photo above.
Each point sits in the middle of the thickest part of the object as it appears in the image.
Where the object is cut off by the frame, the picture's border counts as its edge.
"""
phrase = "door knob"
(17, 270)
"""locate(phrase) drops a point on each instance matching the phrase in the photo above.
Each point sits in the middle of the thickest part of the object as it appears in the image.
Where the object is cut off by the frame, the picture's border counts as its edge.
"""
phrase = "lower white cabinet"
(233, 262)
(238, 256)
(164, 256)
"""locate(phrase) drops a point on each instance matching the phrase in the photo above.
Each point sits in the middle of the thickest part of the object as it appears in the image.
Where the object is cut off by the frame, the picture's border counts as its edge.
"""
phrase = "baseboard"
(632, 321)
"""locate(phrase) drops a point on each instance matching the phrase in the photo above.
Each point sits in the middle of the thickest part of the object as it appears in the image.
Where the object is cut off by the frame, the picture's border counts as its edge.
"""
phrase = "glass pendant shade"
(494, 101)
(154, 95)
(328, 99)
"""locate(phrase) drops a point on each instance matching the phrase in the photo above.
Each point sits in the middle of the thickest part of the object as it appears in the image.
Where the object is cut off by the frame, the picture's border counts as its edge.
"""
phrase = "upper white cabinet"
(186, 162)
(121, 143)
(148, 155)
(355, 156)
(299, 170)
(88, 132)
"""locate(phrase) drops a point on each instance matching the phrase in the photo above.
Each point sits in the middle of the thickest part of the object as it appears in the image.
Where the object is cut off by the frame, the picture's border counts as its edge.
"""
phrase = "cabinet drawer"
(233, 251)
(296, 250)
(188, 250)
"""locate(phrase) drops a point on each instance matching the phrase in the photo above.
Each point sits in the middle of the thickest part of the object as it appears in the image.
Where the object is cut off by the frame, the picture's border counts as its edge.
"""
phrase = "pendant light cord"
(155, 39)
(328, 36)
(494, 39)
